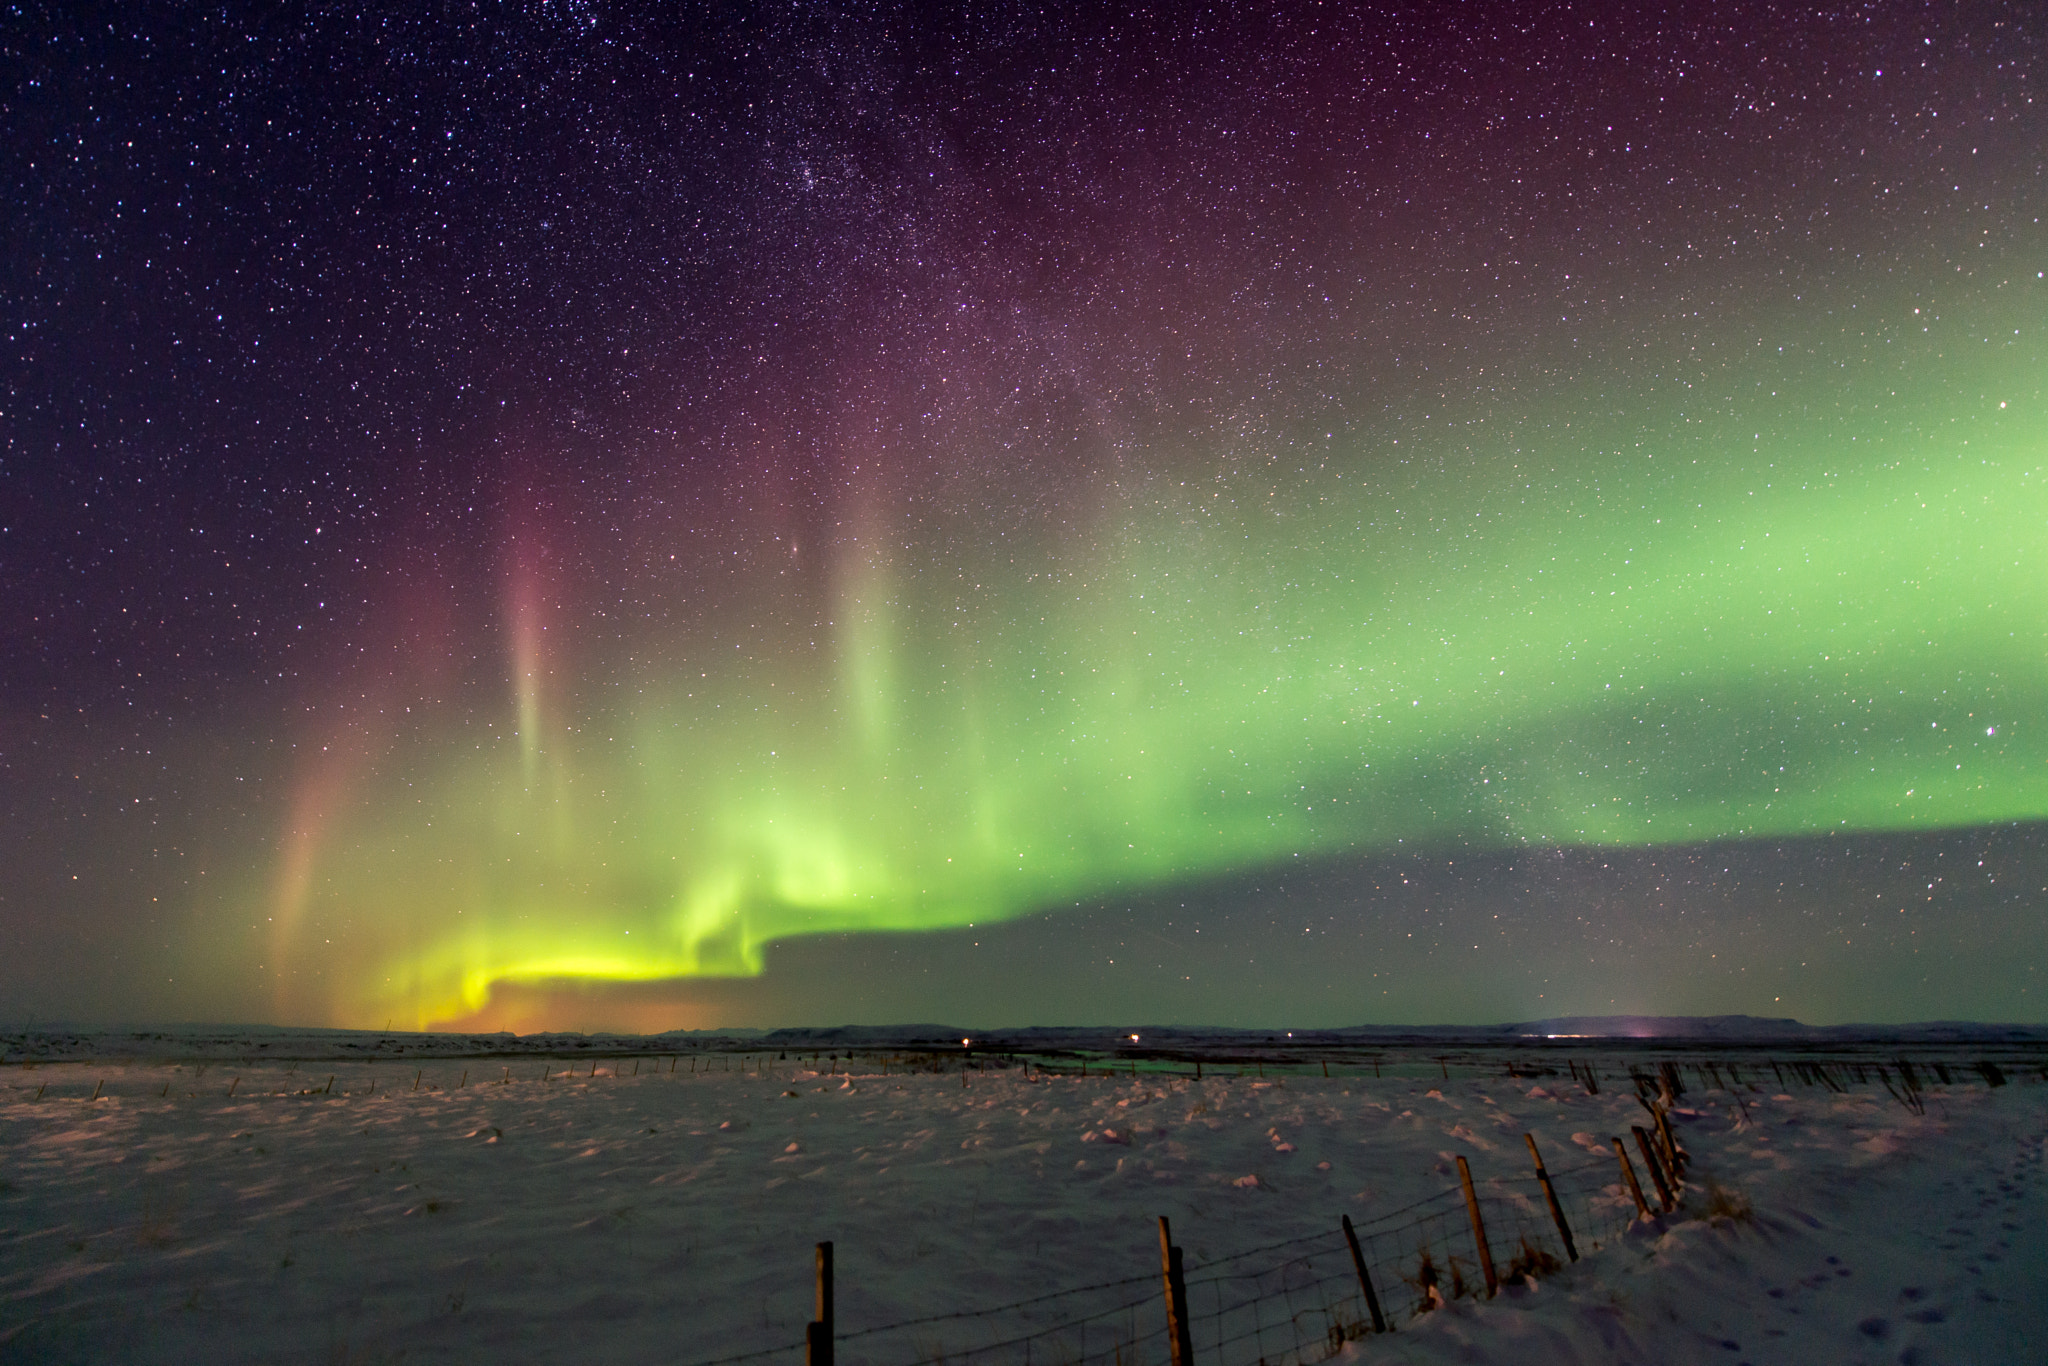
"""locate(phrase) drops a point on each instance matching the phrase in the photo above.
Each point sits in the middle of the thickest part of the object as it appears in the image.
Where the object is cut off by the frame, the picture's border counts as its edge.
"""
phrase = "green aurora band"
(1789, 596)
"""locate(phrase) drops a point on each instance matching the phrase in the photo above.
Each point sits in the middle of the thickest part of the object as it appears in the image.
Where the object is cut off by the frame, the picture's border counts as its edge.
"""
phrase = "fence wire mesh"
(1120, 1322)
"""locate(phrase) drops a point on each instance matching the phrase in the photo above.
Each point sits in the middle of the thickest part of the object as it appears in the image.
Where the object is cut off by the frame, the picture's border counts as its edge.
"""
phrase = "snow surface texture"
(644, 1215)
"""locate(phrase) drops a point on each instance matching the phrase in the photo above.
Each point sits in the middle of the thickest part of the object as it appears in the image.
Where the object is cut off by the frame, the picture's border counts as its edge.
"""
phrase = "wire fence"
(1303, 1306)
(1290, 1303)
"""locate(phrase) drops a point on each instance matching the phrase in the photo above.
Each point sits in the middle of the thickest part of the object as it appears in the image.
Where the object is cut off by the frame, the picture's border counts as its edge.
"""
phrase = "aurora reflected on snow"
(981, 524)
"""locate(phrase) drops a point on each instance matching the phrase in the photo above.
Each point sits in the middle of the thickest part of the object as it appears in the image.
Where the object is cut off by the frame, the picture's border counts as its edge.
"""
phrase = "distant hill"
(1759, 1028)
(1725, 1029)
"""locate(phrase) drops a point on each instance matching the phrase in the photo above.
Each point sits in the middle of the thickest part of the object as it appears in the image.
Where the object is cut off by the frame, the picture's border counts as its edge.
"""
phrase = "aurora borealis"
(564, 517)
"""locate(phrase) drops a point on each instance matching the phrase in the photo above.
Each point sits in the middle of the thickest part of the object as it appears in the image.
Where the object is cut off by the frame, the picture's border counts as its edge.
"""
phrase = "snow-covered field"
(225, 1212)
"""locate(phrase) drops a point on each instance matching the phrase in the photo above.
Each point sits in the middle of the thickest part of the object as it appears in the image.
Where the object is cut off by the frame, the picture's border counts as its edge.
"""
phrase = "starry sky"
(587, 516)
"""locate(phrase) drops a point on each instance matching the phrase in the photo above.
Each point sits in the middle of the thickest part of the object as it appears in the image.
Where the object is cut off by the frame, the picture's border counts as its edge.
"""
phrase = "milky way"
(562, 500)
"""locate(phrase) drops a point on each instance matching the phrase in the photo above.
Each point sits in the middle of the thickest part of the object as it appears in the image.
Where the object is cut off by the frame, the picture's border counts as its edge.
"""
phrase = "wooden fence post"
(1179, 1342)
(818, 1333)
(1674, 1154)
(1656, 1170)
(1478, 1229)
(1564, 1230)
(1628, 1173)
(1372, 1301)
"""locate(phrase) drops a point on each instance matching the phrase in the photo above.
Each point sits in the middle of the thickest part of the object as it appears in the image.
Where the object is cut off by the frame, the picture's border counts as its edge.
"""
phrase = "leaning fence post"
(1675, 1154)
(1372, 1301)
(1564, 1230)
(1478, 1229)
(1180, 1343)
(1656, 1170)
(818, 1333)
(1628, 1173)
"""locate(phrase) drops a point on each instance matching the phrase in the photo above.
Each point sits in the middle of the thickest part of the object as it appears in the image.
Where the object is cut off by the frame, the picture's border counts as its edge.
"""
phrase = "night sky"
(554, 515)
